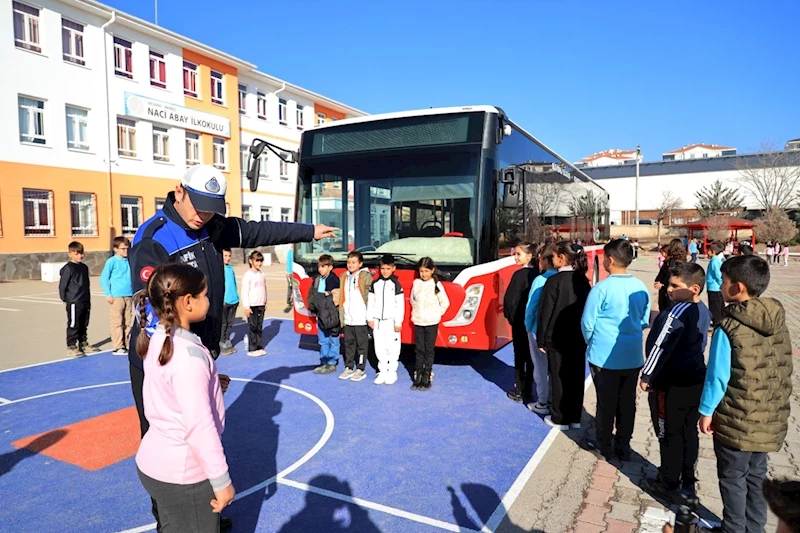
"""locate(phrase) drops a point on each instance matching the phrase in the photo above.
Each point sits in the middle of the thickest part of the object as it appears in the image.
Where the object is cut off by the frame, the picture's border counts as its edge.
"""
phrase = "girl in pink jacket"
(180, 460)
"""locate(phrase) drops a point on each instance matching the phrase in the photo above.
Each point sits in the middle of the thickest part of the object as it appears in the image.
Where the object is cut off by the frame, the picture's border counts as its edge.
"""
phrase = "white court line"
(522, 480)
(4, 401)
(38, 364)
(30, 300)
(11, 402)
(377, 507)
(9, 309)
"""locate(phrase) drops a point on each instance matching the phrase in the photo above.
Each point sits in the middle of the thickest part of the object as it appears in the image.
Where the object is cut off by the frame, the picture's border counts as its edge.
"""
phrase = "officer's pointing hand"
(321, 231)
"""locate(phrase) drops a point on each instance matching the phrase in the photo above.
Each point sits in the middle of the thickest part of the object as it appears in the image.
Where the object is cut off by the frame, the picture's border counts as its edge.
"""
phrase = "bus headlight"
(297, 295)
(469, 309)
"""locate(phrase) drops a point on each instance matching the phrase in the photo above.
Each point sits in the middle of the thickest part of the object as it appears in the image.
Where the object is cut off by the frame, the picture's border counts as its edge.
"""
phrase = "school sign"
(175, 115)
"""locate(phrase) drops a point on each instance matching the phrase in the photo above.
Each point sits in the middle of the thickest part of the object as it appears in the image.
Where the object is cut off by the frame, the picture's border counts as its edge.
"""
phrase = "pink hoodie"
(183, 403)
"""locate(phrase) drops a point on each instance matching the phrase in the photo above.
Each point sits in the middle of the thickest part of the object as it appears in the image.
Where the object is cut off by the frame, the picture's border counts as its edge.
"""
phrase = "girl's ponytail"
(581, 262)
(166, 285)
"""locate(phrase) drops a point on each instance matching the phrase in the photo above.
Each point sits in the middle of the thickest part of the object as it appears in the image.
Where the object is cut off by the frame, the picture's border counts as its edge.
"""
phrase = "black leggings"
(567, 377)
(424, 343)
(523, 363)
(183, 507)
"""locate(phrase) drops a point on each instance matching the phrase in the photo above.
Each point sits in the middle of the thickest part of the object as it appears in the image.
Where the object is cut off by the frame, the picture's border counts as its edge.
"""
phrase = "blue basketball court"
(306, 452)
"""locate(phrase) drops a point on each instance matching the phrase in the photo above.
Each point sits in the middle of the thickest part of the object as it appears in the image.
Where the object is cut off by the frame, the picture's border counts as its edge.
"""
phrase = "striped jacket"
(675, 347)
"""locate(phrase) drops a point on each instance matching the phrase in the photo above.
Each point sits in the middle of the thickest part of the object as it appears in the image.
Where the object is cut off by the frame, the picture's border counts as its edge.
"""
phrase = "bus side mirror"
(511, 177)
(253, 171)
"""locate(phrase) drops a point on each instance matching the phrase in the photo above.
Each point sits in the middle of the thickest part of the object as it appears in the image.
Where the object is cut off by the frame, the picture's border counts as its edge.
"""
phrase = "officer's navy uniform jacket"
(166, 238)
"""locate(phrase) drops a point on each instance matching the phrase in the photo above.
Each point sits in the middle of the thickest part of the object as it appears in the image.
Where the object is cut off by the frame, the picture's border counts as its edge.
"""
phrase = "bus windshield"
(415, 204)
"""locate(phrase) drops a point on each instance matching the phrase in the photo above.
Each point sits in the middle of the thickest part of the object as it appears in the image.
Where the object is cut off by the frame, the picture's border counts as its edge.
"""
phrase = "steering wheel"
(431, 223)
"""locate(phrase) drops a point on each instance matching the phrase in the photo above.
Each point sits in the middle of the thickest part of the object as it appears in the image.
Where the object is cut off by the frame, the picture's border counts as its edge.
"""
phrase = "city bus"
(461, 185)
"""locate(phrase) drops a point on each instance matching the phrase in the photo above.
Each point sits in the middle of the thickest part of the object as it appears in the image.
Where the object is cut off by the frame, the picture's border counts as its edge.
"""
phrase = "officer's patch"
(145, 273)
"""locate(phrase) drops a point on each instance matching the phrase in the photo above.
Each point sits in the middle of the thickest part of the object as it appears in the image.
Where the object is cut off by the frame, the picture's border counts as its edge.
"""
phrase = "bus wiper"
(399, 257)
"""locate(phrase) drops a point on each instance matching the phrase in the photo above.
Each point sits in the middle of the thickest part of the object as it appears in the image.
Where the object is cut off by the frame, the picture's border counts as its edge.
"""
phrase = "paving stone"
(620, 526)
(624, 511)
(629, 482)
(602, 483)
(783, 471)
(586, 527)
(605, 469)
(626, 495)
(593, 515)
(598, 497)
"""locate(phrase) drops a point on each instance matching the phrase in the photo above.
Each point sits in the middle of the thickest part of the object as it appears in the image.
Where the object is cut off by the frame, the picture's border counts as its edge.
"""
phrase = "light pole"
(636, 193)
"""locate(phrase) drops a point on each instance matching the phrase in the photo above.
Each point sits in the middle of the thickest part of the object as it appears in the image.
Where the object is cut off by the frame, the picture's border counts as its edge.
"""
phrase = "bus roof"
(450, 110)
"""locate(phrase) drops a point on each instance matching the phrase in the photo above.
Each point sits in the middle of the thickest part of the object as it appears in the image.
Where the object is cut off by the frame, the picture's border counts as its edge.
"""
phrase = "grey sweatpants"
(183, 508)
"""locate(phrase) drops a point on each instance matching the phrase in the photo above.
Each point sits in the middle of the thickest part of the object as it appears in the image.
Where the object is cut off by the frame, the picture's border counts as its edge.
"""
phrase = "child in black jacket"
(560, 336)
(321, 303)
(73, 288)
(514, 310)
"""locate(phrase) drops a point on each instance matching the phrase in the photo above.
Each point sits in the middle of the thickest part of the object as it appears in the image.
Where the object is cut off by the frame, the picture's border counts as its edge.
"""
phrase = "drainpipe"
(280, 90)
(108, 127)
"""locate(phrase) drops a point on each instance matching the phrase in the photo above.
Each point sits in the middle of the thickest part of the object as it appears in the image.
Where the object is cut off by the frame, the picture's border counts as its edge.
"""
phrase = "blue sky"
(582, 76)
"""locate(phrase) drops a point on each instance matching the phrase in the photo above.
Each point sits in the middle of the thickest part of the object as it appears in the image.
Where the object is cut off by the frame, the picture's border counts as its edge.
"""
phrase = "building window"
(285, 211)
(126, 137)
(26, 27)
(131, 214)
(160, 203)
(320, 118)
(192, 148)
(299, 116)
(263, 168)
(246, 212)
(262, 105)
(284, 173)
(31, 120)
(242, 98)
(244, 158)
(160, 144)
(220, 155)
(282, 118)
(72, 41)
(37, 207)
(190, 79)
(82, 208)
(123, 58)
(158, 70)
(266, 214)
(77, 128)
(677, 221)
(217, 96)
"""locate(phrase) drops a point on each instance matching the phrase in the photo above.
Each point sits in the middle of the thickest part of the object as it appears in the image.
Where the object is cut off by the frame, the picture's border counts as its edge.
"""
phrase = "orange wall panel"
(329, 113)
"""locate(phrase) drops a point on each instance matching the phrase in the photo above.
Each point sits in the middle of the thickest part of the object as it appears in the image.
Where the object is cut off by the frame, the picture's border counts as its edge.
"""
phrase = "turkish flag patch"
(145, 273)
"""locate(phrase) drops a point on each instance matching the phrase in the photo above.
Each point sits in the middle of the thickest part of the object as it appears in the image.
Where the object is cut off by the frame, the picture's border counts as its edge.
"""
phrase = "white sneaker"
(347, 373)
(539, 408)
(380, 379)
(391, 378)
(120, 351)
(549, 421)
(358, 375)
(256, 353)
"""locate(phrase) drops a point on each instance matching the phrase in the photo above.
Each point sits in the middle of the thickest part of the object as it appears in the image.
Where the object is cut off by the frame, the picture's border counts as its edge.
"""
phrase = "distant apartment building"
(794, 144)
(698, 151)
(607, 158)
(105, 112)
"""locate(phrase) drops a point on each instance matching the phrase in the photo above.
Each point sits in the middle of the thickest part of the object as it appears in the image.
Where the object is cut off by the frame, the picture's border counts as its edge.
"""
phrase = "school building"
(104, 112)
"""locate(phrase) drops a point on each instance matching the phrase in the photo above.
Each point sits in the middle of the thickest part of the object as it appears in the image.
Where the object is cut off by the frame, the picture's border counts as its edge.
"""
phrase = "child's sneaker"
(327, 369)
(348, 372)
(87, 348)
(74, 351)
(391, 378)
(549, 421)
(318, 370)
(380, 379)
(358, 375)
(539, 408)
(256, 353)
(120, 351)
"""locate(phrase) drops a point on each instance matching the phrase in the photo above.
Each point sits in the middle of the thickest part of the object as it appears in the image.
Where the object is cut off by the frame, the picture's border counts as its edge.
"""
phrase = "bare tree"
(771, 176)
(775, 226)
(718, 228)
(669, 203)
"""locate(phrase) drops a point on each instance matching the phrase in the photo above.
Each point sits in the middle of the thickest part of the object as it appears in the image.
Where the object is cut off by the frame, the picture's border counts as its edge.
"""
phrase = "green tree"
(714, 198)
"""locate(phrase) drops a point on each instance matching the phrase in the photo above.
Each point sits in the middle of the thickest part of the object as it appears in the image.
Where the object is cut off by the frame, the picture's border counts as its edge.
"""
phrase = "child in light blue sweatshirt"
(541, 377)
(116, 283)
(616, 313)
(230, 304)
(714, 282)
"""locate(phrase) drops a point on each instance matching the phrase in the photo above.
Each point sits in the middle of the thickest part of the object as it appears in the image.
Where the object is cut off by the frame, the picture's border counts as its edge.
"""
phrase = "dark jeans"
(694, 257)
(715, 304)
(674, 414)
(567, 376)
(255, 324)
(523, 363)
(137, 381)
(228, 316)
(356, 343)
(77, 322)
(744, 508)
(183, 507)
(424, 343)
(616, 403)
